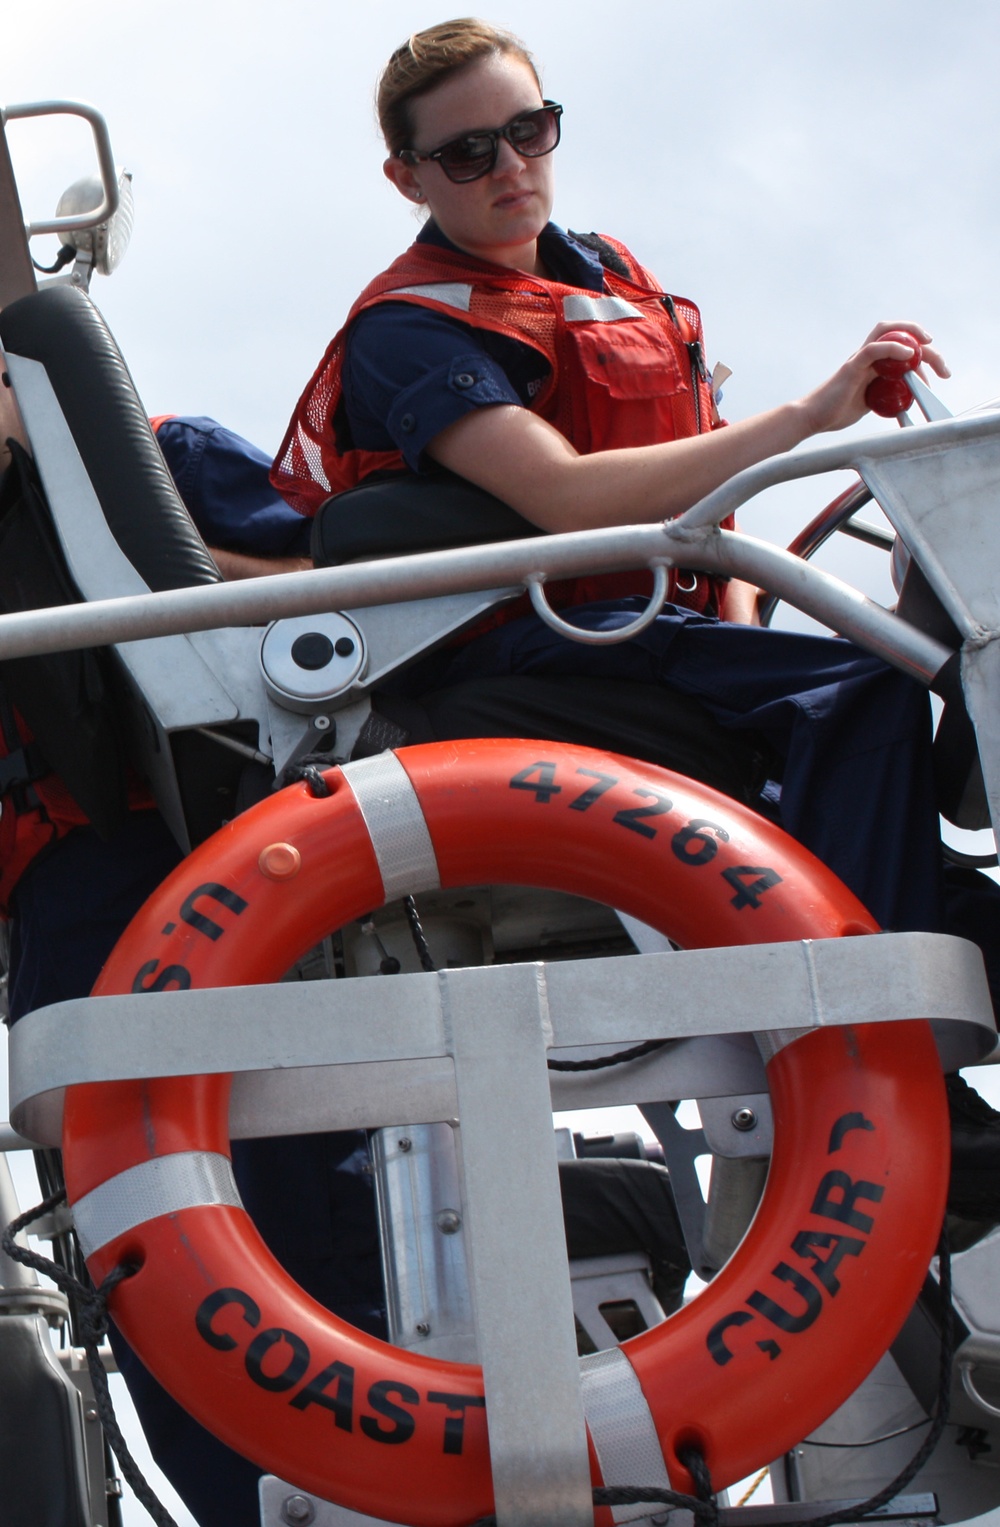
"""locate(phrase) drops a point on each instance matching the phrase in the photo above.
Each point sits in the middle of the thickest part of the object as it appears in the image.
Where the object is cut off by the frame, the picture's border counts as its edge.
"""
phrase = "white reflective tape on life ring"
(771, 1041)
(164, 1185)
(580, 308)
(622, 1428)
(451, 294)
(395, 821)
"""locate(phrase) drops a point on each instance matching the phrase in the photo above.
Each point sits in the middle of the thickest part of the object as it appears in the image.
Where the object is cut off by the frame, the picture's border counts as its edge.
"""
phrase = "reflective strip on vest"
(621, 1427)
(451, 294)
(164, 1185)
(580, 308)
(396, 825)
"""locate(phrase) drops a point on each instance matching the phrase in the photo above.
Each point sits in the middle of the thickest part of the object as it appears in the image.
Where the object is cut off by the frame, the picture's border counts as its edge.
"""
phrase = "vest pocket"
(630, 385)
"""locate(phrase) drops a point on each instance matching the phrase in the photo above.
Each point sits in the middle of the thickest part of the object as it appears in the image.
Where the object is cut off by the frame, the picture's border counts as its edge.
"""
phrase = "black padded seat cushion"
(60, 327)
(613, 1206)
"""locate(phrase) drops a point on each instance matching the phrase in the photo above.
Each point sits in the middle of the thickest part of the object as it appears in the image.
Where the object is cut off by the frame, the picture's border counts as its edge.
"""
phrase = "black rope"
(312, 775)
(896, 1486)
(419, 939)
(92, 1326)
(693, 1460)
(618, 1059)
(703, 1505)
(64, 1247)
(850, 1447)
(705, 1513)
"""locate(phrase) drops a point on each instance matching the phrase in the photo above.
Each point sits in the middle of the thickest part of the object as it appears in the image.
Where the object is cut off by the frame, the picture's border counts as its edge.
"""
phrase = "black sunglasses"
(473, 155)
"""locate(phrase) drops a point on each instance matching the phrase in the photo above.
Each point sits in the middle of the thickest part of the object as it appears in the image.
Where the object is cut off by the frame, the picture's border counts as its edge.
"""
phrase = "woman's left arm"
(238, 564)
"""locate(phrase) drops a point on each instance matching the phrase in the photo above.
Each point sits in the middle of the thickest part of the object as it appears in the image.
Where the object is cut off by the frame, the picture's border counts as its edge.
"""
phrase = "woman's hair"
(428, 58)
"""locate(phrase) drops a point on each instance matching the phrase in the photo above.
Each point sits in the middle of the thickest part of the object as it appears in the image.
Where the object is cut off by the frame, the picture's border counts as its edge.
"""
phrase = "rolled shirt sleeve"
(409, 373)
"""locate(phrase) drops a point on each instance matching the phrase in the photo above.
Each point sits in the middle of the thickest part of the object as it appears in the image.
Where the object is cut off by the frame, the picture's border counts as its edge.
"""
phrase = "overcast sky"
(799, 169)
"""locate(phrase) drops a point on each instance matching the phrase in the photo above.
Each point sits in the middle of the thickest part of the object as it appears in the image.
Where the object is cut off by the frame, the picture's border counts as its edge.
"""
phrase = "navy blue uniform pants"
(853, 734)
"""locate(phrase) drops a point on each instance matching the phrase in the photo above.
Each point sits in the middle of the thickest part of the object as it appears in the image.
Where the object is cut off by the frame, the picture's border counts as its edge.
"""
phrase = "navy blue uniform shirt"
(402, 363)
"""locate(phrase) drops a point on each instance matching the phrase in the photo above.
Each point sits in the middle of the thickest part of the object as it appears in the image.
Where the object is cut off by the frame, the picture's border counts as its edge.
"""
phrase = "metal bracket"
(348, 1062)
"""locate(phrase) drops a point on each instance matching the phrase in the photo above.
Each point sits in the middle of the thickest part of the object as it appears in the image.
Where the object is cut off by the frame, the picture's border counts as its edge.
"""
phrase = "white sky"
(802, 168)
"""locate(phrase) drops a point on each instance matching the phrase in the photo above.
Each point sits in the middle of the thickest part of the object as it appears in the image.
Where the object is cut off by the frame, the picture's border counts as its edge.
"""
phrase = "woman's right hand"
(840, 402)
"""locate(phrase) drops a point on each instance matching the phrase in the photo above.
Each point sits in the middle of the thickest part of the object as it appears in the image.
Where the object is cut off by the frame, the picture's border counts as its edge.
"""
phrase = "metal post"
(517, 1252)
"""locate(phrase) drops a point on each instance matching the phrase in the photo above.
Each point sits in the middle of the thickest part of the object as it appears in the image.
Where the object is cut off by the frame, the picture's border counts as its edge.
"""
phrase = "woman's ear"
(404, 178)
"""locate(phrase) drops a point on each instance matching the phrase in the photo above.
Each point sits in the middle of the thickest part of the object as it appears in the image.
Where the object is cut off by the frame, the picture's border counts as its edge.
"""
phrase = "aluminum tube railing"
(390, 580)
(105, 161)
(395, 580)
(689, 540)
(835, 604)
(842, 456)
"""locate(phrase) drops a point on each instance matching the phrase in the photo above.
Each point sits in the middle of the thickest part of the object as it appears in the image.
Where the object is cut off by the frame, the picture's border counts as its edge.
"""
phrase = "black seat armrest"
(401, 514)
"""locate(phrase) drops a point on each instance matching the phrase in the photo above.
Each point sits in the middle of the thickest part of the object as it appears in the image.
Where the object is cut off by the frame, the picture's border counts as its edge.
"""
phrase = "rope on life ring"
(814, 1294)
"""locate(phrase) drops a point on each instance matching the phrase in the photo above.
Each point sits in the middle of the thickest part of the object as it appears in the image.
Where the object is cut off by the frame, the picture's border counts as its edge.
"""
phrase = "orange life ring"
(812, 1297)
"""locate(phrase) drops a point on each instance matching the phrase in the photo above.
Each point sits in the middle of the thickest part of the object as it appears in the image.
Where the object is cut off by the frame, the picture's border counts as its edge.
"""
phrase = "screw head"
(449, 1222)
(405, 1144)
(297, 1510)
(321, 723)
(423, 1328)
(744, 1119)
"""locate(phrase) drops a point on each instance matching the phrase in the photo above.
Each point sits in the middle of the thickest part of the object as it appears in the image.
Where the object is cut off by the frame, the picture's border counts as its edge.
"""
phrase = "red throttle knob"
(889, 395)
(898, 369)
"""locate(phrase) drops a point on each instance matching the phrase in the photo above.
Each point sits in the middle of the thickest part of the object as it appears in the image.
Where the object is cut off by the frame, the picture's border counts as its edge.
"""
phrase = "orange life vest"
(36, 808)
(26, 823)
(626, 368)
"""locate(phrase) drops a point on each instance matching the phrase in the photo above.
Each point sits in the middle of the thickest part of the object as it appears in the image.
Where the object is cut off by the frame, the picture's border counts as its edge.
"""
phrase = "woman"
(553, 371)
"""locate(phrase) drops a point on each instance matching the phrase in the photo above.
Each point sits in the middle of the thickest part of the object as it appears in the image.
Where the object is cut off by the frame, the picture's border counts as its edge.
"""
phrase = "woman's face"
(498, 217)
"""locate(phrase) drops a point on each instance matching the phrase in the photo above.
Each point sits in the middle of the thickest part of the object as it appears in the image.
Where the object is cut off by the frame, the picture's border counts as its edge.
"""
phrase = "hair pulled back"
(428, 58)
